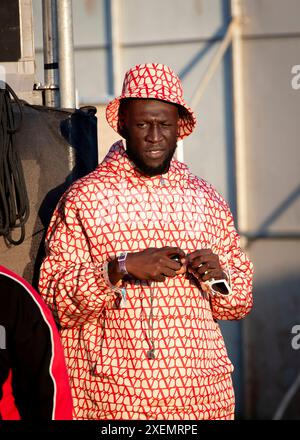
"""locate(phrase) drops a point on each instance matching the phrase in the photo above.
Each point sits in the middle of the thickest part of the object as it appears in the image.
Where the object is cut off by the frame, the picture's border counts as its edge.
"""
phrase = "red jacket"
(33, 376)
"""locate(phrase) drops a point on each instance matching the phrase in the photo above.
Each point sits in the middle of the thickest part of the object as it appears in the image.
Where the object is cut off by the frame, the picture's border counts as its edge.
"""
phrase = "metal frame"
(66, 54)
(20, 75)
(50, 45)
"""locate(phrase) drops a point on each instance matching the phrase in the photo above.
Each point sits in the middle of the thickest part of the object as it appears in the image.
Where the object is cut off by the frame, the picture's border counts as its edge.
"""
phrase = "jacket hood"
(118, 162)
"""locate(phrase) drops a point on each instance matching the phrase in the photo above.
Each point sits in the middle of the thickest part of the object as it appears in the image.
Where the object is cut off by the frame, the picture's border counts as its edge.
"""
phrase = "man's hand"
(204, 265)
(151, 264)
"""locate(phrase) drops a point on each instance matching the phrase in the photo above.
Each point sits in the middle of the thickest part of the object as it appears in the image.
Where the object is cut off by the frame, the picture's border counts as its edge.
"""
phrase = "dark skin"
(150, 128)
(149, 125)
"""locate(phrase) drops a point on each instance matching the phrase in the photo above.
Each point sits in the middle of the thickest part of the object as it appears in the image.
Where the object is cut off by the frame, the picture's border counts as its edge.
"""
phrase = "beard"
(149, 170)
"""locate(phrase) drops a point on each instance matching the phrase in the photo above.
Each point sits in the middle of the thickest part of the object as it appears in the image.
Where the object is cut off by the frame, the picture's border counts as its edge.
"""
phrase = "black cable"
(14, 203)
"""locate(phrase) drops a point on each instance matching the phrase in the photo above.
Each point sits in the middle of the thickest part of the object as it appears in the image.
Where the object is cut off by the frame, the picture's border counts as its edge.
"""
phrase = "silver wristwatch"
(122, 263)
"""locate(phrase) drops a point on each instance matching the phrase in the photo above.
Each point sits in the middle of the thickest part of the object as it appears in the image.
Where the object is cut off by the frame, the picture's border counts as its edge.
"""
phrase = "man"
(33, 377)
(142, 260)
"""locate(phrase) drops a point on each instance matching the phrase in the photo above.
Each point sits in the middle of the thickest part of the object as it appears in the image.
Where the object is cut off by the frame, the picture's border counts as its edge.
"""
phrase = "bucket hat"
(153, 81)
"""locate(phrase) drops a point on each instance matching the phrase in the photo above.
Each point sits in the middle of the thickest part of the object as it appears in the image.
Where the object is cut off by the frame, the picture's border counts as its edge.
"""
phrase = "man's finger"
(205, 268)
(171, 251)
(211, 259)
(159, 278)
(173, 264)
(216, 274)
(199, 253)
(169, 272)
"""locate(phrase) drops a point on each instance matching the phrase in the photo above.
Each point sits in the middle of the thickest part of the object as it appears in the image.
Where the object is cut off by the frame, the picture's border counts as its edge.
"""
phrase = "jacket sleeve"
(239, 269)
(39, 375)
(75, 287)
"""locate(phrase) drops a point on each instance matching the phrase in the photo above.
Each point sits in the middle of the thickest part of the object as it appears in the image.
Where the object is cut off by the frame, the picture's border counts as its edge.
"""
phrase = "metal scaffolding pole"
(239, 120)
(115, 46)
(66, 54)
(241, 177)
(50, 39)
(66, 62)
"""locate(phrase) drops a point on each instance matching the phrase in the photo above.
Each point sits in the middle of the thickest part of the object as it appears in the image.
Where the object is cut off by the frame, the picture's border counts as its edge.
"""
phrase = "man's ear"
(178, 127)
(121, 125)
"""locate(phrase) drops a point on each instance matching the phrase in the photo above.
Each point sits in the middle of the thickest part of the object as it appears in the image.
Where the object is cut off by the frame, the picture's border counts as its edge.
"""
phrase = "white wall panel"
(272, 363)
(265, 17)
(158, 20)
(273, 133)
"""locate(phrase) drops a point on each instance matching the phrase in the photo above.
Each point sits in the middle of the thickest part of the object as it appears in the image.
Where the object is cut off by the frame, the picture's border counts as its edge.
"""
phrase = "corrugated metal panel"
(273, 364)
(90, 22)
(175, 20)
(272, 137)
(273, 129)
(91, 75)
(265, 17)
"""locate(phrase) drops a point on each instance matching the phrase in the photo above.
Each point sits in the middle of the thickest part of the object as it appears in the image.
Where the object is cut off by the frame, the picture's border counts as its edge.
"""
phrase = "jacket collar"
(118, 161)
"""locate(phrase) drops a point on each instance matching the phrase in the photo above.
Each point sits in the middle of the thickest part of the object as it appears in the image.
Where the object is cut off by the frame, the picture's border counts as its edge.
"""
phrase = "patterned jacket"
(116, 209)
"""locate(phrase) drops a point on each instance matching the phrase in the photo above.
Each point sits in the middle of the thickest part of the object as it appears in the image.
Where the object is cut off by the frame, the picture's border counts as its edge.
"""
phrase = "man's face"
(150, 128)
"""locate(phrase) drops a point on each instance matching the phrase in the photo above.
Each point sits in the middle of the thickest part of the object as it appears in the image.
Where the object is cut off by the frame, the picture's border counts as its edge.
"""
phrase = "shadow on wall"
(56, 147)
(274, 362)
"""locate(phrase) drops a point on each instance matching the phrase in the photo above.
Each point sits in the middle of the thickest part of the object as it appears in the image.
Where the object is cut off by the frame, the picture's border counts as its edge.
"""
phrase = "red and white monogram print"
(155, 81)
(115, 209)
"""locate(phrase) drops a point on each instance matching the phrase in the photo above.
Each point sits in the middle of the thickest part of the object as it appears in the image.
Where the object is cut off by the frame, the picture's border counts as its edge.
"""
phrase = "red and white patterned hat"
(155, 81)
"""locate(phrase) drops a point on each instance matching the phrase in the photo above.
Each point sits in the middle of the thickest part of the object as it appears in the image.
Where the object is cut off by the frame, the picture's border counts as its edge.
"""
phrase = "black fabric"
(56, 147)
(10, 38)
(27, 353)
(79, 130)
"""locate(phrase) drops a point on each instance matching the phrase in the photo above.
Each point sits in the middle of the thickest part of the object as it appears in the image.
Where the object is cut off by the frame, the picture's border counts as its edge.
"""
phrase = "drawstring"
(151, 352)
(149, 330)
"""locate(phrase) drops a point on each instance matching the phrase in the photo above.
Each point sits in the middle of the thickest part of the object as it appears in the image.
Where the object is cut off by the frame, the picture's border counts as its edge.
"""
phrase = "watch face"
(121, 261)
